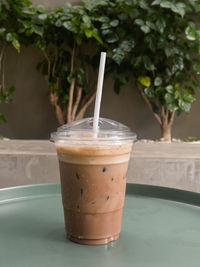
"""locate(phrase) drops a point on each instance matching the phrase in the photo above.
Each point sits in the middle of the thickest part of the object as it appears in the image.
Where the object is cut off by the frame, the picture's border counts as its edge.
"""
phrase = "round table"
(161, 228)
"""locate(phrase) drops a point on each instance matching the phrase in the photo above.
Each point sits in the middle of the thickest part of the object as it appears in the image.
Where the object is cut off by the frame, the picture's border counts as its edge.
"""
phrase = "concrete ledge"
(174, 165)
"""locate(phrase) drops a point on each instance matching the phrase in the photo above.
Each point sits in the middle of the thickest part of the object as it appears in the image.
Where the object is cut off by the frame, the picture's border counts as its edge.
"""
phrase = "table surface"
(161, 228)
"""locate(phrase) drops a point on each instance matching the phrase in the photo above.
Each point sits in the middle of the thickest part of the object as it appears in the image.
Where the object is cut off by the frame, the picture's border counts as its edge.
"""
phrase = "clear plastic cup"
(93, 178)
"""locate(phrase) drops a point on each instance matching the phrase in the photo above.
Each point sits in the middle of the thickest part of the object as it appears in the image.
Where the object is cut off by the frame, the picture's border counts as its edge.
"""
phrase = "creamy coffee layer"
(93, 154)
(88, 149)
(92, 160)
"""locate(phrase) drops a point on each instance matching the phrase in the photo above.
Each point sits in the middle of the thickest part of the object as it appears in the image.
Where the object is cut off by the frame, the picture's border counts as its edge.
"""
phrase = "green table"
(161, 228)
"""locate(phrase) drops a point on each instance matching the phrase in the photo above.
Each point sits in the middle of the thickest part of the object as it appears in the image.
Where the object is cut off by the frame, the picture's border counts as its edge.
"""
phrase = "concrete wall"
(31, 116)
(175, 165)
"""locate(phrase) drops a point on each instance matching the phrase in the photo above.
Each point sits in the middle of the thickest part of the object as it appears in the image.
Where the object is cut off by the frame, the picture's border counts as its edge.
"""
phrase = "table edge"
(150, 191)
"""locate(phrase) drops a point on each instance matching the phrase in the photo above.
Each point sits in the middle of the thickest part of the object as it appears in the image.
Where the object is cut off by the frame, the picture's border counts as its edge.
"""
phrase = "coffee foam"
(93, 154)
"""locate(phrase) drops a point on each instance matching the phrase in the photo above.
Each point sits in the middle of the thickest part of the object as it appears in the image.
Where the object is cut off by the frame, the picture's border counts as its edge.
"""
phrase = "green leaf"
(148, 63)
(105, 26)
(16, 44)
(169, 98)
(114, 23)
(156, 2)
(157, 81)
(69, 26)
(177, 95)
(27, 24)
(118, 55)
(38, 30)
(172, 106)
(103, 19)
(107, 31)
(86, 19)
(179, 8)
(9, 37)
(139, 22)
(39, 43)
(111, 38)
(12, 37)
(30, 11)
(190, 33)
(96, 35)
(149, 92)
(127, 45)
(43, 16)
(88, 33)
(185, 106)
(172, 37)
(161, 24)
(188, 98)
(40, 8)
(133, 13)
(145, 29)
(151, 25)
(143, 4)
(188, 94)
(169, 88)
(178, 63)
(166, 4)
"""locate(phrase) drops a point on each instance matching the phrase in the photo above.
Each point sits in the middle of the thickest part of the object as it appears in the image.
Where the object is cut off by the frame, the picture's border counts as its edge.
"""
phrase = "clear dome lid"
(82, 130)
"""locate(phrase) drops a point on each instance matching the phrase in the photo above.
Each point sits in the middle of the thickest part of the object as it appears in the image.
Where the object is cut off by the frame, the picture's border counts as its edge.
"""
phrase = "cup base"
(101, 241)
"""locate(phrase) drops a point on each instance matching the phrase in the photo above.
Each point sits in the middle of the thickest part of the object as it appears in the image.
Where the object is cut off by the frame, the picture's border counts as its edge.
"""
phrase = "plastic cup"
(93, 178)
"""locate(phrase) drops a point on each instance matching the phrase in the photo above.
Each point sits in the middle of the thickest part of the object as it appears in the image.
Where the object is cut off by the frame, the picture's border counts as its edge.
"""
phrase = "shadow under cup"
(93, 183)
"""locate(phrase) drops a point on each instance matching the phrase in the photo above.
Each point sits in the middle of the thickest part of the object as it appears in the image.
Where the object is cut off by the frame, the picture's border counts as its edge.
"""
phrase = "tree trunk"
(167, 119)
(166, 132)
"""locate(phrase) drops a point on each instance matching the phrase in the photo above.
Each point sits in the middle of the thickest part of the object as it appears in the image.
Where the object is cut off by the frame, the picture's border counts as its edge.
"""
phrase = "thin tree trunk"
(70, 102)
(54, 102)
(84, 107)
(149, 105)
(166, 132)
(167, 119)
(76, 103)
(2, 69)
(58, 111)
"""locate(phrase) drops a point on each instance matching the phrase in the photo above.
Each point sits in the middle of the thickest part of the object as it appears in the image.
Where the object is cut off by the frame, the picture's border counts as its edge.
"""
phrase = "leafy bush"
(157, 44)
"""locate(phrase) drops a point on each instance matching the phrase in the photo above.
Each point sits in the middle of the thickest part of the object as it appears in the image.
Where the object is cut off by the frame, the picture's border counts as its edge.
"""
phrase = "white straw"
(99, 92)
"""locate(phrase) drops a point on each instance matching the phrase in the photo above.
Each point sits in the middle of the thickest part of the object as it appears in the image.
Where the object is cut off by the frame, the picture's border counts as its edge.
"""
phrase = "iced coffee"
(93, 178)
